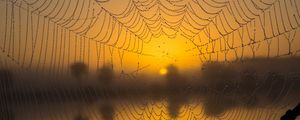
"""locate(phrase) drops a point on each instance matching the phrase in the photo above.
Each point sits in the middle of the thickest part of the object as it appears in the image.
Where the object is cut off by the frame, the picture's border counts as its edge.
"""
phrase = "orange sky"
(56, 50)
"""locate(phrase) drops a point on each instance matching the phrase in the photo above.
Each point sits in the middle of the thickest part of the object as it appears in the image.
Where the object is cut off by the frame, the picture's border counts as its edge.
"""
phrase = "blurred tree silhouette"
(105, 75)
(79, 70)
(173, 76)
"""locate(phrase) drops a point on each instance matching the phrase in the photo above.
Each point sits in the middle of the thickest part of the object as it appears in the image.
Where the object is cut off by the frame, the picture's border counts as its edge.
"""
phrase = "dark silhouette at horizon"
(6, 82)
(105, 75)
(79, 70)
(220, 86)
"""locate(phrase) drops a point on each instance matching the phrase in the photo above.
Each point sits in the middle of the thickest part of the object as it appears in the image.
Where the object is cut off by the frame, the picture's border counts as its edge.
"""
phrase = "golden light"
(163, 71)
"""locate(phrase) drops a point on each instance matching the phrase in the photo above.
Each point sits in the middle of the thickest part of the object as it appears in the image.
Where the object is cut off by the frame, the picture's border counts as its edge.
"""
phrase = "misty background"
(148, 59)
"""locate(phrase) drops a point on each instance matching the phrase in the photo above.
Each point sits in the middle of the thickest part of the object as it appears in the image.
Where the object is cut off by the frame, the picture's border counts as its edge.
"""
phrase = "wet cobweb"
(70, 59)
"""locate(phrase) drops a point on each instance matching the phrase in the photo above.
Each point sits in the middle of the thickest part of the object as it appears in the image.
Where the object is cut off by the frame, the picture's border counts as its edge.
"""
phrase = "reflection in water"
(174, 104)
(107, 110)
(222, 91)
(80, 117)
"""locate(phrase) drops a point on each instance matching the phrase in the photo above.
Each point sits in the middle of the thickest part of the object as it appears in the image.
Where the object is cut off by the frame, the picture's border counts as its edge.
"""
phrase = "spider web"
(50, 35)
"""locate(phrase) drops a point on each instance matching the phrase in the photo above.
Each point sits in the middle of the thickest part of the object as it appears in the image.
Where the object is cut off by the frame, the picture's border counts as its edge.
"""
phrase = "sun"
(163, 71)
